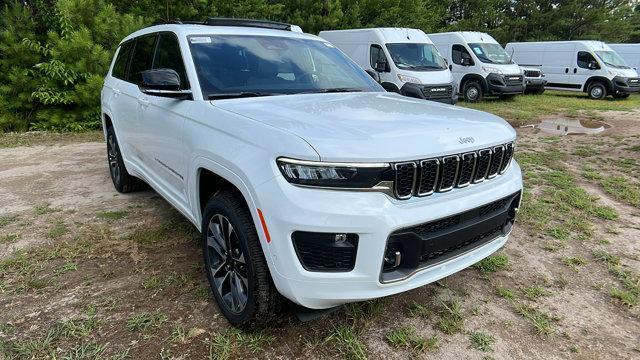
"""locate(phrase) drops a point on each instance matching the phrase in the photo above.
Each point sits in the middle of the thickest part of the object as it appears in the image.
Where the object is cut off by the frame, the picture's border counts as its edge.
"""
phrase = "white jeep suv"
(307, 180)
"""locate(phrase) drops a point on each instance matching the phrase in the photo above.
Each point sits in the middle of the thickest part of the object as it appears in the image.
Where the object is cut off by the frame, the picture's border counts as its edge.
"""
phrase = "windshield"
(491, 53)
(239, 65)
(611, 58)
(421, 57)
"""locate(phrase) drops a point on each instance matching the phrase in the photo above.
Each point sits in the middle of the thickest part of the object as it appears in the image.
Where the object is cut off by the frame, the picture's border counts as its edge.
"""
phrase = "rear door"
(162, 119)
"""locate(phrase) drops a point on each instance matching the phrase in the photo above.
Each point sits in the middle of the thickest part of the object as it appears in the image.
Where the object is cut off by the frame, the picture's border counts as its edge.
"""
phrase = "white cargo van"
(406, 60)
(587, 66)
(630, 53)
(479, 65)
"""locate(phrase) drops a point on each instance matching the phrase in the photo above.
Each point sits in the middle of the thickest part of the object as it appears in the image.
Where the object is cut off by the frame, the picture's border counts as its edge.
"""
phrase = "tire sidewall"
(117, 183)
(603, 93)
(222, 208)
(472, 85)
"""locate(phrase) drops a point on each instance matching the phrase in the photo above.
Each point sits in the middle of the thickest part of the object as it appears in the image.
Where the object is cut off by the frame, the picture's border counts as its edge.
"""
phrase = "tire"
(621, 96)
(472, 91)
(597, 91)
(539, 91)
(507, 97)
(235, 264)
(122, 180)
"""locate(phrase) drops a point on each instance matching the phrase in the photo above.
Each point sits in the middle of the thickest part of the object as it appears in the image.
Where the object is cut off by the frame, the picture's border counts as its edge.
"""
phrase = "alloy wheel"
(112, 155)
(227, 264)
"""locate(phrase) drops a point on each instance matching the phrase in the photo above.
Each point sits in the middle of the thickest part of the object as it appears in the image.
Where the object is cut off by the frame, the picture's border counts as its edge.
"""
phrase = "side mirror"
(374, 75)
(465, 61)
(593, 65)
(162, 82)
(381, 65)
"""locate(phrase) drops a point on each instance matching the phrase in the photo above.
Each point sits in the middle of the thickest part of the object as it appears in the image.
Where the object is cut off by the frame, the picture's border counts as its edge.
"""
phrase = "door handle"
(566, 70)
(575, 70)
(450, 67)
(143, 102)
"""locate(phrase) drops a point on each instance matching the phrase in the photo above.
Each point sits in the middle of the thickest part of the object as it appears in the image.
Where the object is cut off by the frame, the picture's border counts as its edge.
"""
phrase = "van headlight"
(492, 70)
(334, 175)
(409, 79)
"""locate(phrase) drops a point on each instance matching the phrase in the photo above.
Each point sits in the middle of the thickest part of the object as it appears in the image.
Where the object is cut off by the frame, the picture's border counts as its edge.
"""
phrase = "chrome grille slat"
(442, 174)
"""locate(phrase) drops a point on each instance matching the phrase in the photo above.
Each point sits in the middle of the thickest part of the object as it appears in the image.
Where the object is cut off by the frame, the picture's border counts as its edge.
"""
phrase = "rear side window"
(459, 52)
(142, 57)
(377, 55)
(584, 58)
(168, 56)
(120, 66)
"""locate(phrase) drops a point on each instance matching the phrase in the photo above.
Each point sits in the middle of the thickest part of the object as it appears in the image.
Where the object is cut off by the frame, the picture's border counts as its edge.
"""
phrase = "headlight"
(492, 70)
(409, 79)
(335, 175)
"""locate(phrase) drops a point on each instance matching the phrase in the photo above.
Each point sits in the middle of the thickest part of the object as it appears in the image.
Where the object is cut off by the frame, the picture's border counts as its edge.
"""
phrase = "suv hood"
(371, 127)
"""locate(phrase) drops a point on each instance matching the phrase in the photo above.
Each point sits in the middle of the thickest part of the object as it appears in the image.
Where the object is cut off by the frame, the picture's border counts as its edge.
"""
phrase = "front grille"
(510, 80)
(437, 92)
(532, 73)
(424, 177)
(434, 242)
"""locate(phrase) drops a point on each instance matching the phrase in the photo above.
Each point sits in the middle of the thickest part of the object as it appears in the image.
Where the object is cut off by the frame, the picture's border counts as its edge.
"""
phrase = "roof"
(467, 36)
(386, 35)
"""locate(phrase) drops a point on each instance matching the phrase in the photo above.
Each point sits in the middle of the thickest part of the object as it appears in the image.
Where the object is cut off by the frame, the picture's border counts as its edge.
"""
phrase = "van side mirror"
(593, 65)
(162, 82)
(374, 75)
(465, 61)
(381, 65)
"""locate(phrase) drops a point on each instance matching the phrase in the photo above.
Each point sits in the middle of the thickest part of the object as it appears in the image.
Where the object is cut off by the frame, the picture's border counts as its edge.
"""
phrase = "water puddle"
(567, 126)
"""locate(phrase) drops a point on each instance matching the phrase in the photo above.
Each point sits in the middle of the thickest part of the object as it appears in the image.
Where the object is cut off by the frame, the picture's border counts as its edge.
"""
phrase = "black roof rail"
(218, 21)
(248, 23)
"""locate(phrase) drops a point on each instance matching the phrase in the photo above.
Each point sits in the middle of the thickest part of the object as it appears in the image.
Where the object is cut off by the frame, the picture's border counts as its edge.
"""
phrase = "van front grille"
(532, 73)
(513, 80)
(424, 177)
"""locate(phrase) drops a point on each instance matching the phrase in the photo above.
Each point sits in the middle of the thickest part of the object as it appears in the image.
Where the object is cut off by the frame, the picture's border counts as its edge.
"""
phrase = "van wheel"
(235, 264)
(597, 91)
(122, 180)
(473, 91)
(539, 91)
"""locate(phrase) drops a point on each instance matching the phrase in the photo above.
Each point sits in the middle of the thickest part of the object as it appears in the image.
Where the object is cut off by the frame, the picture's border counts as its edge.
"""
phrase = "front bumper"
(534, 83)
(444, 93)
(373, 216)
(505, 84)
(623, 85)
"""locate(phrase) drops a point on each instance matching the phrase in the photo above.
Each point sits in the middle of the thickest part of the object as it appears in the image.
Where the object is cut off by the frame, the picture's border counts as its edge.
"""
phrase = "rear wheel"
(473, 91)
(235, 264)
(597, 91)
(122, 180)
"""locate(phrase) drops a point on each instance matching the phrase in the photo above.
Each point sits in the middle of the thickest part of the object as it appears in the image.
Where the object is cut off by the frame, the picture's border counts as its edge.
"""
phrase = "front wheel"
(597, 91)
(235, 264)
(472, 92)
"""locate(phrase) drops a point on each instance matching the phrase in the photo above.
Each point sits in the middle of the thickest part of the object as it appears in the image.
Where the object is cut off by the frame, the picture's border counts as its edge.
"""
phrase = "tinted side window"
(168, 57)
(122, 61)
(458, 52)
(584, 58)
(142, 57)
(377, 54)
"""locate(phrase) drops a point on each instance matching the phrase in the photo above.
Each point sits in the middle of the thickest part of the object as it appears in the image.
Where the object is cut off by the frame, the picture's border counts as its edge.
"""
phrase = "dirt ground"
(86, 272)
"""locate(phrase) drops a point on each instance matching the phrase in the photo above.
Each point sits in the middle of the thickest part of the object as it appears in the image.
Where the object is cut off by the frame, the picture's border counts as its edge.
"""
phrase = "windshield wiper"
(235, 95)
(332, 90)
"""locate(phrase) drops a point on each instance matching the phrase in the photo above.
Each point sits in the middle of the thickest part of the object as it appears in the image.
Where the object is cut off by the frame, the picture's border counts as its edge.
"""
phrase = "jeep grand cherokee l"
(306, 179)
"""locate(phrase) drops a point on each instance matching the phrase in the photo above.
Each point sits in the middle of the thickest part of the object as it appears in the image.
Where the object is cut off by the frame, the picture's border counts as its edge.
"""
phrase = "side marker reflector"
(264, 226)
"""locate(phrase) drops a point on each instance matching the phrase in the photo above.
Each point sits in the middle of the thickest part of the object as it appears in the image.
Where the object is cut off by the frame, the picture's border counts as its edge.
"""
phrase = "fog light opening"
(392, 257)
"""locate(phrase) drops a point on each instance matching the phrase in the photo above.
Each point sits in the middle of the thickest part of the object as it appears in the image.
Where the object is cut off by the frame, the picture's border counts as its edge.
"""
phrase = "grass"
(574, 262)
(349, 345)
(451, 318)
(407, 338)
(7, 219)
(526, 109)
(113, 215)
(540, 319)
(534, 292)
(58, 229)
(220, 347)
(44, 208)
(10, 140)
(419, 310)
(145, 321)
(9, 238)
(629, 292)
(506, 293)
(481, 341)
(492, 263)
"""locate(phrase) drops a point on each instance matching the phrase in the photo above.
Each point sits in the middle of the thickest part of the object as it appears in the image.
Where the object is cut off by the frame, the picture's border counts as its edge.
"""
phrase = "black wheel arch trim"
(473, 77)
(601, 79)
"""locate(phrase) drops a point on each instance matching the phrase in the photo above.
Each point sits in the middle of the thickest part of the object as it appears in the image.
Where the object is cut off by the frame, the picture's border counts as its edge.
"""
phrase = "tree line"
(55, 53)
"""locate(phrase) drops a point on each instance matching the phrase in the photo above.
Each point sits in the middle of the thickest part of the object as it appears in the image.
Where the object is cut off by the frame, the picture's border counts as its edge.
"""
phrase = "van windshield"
(611, 58)
(419, 57)
(491, 53)
(230, 66)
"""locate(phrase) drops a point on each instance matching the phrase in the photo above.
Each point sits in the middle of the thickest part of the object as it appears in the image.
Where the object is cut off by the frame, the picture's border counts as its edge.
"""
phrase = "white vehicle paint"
(406, 60)
(534, 79)
(479, 65)
(586, 66)
(324, 176)
(629, 52)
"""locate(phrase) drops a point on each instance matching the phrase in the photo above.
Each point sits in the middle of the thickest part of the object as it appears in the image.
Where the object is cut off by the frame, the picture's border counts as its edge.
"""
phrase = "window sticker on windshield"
(200, 40)
(477, 50)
